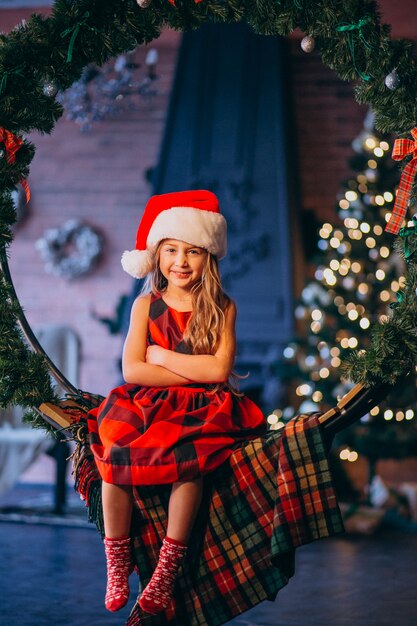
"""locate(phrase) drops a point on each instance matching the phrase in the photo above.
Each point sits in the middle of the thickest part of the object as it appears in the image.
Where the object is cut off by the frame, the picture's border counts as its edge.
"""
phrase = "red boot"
(158, 593)
(119, 567)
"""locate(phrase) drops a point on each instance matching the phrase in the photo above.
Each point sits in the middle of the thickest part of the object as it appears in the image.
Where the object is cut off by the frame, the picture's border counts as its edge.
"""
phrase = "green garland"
(350, 39)
(392, 353)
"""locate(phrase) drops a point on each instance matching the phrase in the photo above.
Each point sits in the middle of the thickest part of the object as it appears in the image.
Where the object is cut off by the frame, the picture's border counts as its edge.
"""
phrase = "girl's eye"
(194, 251)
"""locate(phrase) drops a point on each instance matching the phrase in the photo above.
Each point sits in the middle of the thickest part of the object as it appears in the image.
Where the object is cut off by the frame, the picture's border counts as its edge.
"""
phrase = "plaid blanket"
(273, 495)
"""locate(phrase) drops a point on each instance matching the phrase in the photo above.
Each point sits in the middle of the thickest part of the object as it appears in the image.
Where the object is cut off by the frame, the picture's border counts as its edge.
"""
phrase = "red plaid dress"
(161, 435)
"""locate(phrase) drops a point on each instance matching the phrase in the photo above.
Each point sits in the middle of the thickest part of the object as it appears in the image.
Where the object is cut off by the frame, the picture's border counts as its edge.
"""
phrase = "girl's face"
(181, 263)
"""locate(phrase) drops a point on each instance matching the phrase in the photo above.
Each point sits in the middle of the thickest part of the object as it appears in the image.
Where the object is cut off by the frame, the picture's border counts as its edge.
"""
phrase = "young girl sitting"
(177, 417)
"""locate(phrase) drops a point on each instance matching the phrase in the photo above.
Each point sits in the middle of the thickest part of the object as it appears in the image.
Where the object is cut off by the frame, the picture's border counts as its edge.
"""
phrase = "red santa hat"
(190, 216)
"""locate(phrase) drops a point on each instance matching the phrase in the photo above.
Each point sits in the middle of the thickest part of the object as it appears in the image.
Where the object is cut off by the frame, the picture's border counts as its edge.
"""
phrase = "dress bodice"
(166, 326)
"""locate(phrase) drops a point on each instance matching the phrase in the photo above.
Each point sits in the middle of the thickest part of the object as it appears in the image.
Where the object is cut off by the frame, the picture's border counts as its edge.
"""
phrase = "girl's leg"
(184, 504)
(117, 513)
(117, 509)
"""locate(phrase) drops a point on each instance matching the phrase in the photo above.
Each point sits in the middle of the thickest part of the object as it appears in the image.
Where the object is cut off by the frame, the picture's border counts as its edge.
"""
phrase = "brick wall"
(327, 118)
(99, 177)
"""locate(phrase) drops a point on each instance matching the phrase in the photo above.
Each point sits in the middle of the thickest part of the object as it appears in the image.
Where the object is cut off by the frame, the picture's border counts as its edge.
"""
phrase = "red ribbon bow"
(12, 144)
(403, 148)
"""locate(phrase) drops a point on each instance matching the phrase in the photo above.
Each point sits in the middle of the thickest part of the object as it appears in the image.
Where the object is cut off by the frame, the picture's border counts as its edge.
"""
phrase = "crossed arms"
(154, 366)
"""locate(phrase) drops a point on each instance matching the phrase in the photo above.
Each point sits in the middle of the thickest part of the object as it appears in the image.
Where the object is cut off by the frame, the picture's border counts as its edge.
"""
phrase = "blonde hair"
(206, 323)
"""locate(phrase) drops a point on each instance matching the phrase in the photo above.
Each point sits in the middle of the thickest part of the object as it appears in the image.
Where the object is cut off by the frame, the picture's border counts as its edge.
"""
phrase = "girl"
(177, 417)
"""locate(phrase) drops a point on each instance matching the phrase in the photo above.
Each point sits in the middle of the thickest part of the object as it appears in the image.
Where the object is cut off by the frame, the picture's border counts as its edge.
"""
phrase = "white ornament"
(50, 89)
(308, 43)
(392, 80)
(143, 3)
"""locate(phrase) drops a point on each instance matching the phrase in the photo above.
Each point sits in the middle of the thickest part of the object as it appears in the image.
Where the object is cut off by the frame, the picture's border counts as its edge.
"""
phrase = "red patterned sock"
(119, 566)
(158, 593)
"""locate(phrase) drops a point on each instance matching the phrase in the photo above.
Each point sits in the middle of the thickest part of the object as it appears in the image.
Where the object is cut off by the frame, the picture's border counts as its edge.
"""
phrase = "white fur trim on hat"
(205, 229)
(137, 263)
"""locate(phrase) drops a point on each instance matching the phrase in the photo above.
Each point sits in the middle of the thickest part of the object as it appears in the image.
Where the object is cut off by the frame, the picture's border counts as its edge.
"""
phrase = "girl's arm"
(135, 368)
(202, 368)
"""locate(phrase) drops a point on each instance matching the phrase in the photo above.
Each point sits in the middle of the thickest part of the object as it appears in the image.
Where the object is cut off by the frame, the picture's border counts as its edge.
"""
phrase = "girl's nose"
(182, 259)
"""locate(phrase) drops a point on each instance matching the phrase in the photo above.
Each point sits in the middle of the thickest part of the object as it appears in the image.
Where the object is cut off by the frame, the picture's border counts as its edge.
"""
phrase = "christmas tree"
(356, 280)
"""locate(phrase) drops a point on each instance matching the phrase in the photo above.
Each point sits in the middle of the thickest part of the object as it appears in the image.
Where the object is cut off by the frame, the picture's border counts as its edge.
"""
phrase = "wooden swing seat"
(351, 407)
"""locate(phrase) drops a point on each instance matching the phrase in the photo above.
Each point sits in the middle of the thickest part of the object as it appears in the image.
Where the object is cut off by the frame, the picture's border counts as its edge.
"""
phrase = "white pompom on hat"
(190, 216)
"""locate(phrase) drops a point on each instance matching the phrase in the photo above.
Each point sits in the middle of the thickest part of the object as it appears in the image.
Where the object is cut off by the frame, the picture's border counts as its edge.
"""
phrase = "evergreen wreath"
(44, 55)
(71, 250)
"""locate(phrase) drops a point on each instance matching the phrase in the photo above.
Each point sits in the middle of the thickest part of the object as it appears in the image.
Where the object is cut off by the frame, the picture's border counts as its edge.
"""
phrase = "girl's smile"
(181, 274)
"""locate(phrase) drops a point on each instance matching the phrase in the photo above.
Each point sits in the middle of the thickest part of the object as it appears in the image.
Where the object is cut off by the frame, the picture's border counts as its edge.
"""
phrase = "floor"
(53, 573)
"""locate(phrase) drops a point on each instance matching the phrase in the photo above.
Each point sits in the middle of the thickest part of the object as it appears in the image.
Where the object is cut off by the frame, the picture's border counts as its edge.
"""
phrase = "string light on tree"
(348, 455)
(361, 277)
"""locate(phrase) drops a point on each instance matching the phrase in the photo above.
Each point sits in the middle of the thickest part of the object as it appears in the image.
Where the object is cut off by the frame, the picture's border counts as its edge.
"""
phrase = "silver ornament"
(2, 153)
(392, 80)
(50, 89)
(308, 43)
(143, 3)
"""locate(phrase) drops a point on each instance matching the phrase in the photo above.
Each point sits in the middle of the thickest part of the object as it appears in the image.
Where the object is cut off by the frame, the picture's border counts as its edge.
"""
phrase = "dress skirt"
(158, 435)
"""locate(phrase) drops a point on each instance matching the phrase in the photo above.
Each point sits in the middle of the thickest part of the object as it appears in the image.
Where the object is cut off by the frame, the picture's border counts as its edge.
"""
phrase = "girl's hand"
(155, 355)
